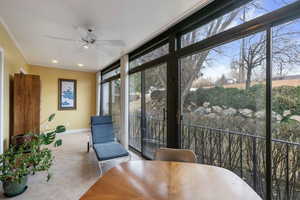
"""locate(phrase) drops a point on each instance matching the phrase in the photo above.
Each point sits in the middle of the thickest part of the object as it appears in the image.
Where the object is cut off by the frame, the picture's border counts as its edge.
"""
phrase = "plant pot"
(15, 188)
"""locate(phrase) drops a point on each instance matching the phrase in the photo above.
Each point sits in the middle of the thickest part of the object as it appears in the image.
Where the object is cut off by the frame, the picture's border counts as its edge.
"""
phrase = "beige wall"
(86, 96)
(86, 88)
(13, 62)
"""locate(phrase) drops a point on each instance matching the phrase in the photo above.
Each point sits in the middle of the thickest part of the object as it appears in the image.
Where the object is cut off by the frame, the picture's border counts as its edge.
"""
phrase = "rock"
(260, 114)
(278, 117)
(217, 109)
(286, 113)
(212, 115)
(208, 110)
(296, 117)
(201, 110)
(229, 112)
(246, 112)
(206, 104)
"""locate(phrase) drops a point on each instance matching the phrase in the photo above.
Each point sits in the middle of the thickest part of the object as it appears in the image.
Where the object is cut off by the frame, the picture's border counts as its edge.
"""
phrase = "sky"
(221, 65)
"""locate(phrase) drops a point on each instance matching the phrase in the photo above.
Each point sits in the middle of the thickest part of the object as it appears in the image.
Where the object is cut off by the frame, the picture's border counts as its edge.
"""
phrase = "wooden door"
(26, 104)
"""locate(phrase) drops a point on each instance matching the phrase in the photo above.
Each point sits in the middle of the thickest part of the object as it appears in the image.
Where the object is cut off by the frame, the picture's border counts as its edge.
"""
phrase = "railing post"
(287, 172)
(241, 155)
(229, 146)
(219, 149)
(254, 160)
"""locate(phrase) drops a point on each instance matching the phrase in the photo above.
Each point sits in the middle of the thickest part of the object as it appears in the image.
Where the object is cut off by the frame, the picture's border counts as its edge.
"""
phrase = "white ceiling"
(133, 21)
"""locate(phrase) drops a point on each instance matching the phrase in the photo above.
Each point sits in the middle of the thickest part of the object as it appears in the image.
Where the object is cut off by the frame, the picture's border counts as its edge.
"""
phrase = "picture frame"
(67, 94)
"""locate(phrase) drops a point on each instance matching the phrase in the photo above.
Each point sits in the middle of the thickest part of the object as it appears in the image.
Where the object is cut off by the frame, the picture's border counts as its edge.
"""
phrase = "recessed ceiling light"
(80, 65)
(54, 61)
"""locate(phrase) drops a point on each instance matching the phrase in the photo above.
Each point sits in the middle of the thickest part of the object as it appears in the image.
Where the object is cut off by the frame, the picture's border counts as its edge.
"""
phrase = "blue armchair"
(103, 140)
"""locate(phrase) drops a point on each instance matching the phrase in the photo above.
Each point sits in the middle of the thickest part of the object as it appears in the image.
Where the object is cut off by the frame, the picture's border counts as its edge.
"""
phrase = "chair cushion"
(103, 133)
(110, 150)
(96, 120)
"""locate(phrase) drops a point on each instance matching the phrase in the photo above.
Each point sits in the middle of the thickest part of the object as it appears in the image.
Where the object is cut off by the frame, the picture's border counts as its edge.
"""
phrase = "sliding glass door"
(155, 96)
(135, 111)
(147, 110)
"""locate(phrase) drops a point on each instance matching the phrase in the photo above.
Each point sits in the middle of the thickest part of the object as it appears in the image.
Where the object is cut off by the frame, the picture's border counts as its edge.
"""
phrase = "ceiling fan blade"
(60, 38)
(120, 43)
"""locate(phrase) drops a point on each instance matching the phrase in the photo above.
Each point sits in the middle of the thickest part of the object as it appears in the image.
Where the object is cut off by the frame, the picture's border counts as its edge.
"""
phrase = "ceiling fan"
(89, 39)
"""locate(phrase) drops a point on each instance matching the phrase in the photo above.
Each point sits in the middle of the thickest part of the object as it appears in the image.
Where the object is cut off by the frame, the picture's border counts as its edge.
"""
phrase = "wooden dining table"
(160, 180)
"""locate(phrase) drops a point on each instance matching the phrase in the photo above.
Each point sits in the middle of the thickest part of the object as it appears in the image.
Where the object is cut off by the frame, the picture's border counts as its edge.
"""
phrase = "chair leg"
(88, 147)
(129, 157)
(100, 167)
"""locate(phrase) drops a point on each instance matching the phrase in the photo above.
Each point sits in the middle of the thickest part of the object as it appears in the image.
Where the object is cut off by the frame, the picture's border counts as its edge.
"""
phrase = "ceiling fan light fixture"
(86, 46)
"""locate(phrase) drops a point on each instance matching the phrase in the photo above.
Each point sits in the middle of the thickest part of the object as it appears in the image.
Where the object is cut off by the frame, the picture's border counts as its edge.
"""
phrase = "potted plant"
(18, 162)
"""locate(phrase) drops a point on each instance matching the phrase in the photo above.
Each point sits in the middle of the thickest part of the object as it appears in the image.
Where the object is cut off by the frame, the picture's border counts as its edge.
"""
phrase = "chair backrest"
(102, 129)
(177, 155)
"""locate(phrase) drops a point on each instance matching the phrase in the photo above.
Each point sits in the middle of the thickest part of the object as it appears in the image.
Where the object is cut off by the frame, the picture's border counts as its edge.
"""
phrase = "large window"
(152, 55)
(236, 17)
(223, 105)
(286, 110)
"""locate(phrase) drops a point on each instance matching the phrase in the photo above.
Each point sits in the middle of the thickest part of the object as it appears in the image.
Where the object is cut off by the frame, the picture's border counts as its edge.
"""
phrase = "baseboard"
(73, 131)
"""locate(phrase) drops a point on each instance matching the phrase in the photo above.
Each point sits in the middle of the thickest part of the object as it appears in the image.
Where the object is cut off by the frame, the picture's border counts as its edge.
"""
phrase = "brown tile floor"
(74, 171)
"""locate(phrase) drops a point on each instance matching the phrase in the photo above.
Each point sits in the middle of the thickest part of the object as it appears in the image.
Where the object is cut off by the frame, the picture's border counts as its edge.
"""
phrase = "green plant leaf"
(58, 143)
(51, 117)
(60, 129)
(49, 137)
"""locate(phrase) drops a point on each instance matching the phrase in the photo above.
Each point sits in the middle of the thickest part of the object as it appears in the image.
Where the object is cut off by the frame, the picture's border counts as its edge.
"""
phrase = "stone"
(217, 109)
(260, 114)
(201, 110)
(278, 117)
(246, 112)
(206, 104)
(296, 117)
(212, 115)
(286, 113)
(229, 112)
(208, 110)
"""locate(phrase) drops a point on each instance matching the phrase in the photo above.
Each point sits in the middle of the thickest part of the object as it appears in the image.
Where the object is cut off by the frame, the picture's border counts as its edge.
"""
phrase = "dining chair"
(179, 155)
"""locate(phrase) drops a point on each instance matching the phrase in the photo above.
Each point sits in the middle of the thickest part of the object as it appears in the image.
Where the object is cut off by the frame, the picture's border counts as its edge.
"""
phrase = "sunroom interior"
(218, 77)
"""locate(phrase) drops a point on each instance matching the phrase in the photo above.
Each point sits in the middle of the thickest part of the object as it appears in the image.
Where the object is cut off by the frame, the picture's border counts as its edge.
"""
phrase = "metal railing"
(242, 153)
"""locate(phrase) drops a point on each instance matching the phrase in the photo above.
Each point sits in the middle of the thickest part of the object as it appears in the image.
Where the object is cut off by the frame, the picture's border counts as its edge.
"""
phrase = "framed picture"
(67, 94)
